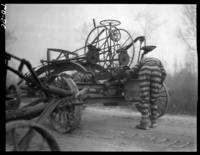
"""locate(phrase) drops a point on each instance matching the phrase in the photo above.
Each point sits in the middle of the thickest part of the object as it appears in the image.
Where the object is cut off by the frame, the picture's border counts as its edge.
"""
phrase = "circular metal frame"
(66, 116)
(102, 38)
(110, 22)
(163, 100)
(65, 119)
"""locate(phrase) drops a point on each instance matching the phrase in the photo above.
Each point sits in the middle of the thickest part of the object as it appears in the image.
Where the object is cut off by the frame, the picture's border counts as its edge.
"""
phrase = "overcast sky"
(37, 27)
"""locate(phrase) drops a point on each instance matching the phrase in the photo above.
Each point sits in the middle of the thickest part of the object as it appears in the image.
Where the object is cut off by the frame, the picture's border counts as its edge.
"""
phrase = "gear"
(123, 58)
(115, 35)
(92, 55)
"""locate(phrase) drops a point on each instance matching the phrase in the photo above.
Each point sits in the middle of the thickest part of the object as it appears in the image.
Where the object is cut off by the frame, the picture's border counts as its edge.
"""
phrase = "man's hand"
(129, 72)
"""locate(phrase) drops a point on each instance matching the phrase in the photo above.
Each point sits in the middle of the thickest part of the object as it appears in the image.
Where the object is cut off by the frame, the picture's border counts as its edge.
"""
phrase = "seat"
(148, 48)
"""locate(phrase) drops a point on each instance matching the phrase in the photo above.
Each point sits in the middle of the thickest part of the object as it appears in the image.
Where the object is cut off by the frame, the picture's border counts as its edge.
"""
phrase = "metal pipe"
(13, 56)
(57, 91)
(94, 23)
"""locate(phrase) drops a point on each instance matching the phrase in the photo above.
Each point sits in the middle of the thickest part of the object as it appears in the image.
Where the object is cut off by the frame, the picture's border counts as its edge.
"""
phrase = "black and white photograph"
(100, 77)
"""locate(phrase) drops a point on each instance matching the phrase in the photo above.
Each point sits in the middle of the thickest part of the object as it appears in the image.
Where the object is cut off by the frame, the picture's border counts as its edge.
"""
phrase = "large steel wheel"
(67, 115)
(109, 46)
(24, 135)
(163, 100)
(66, 118)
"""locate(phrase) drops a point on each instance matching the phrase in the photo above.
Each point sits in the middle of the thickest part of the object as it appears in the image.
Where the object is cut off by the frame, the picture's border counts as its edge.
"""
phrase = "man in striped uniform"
(151, 75)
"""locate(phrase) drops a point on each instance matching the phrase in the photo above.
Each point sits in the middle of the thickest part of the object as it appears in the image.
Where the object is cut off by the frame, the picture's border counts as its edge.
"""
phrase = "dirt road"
(113, 129)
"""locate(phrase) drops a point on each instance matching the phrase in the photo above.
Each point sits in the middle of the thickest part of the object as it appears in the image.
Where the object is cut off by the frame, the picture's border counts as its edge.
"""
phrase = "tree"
(82, 31)
(175, 66)
(148, 23)
(187, 34)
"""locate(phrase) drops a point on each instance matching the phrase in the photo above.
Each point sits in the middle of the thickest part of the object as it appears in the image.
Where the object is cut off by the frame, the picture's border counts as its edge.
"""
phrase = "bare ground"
(113, 129)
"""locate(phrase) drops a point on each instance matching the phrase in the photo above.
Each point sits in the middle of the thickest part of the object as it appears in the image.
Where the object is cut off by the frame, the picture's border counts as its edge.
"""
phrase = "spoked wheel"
(22, 135)
(109, 46)
(66, 118)
(163, 100)
(67, 115)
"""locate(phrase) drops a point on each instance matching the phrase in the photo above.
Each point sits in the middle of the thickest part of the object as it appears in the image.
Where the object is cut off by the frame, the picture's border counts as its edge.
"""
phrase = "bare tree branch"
(188, 34)
(148, 23)
(82, 31)
(185, 40)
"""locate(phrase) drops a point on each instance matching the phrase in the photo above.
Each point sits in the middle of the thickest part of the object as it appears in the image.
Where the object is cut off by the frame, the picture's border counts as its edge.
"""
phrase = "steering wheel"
(110, 22)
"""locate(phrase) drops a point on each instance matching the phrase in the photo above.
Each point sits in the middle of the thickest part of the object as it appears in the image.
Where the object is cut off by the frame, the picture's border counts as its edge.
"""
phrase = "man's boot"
(144, 123)
(153, 123)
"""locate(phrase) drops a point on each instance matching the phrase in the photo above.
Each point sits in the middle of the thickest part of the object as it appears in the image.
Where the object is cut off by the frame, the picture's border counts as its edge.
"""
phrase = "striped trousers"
(150, 84)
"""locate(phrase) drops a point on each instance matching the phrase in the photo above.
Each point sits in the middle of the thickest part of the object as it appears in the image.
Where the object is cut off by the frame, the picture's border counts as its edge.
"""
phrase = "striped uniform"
(151, 75)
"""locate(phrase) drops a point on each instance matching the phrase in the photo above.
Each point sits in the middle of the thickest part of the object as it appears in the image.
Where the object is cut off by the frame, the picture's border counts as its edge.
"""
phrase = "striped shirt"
(150, 61)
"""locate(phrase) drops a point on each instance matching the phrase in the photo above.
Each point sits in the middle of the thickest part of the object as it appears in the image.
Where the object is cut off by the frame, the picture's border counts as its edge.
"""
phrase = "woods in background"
(183, 92)
(184, 83)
